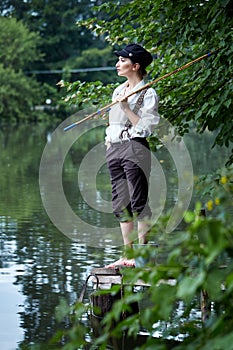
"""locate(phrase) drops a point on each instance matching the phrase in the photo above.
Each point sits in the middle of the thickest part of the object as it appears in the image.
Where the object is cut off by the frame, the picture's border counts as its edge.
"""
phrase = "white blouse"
(148, 114)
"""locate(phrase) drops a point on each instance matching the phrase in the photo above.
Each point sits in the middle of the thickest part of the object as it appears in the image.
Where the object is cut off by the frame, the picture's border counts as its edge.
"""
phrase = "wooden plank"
(105, 271)
(106, 279)
(108, 276)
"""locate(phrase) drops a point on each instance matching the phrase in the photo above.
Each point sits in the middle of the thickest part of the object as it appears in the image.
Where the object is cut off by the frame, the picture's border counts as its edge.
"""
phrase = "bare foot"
(122, 262)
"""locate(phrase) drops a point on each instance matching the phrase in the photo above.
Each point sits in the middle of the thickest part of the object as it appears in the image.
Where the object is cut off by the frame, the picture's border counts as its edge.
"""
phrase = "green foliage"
(217, 189)
(49, 27)
(55, 21)
(86, 93)
(176, 33)
(18, 92)
(91, 58)
(18, 46)
(77, 331)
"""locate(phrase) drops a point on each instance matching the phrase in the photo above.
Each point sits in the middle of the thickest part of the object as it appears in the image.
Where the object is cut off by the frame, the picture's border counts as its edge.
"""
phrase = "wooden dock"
(105, 278)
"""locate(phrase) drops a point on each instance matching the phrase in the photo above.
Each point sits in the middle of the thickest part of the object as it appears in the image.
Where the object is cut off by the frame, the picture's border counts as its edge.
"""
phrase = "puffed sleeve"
(148, 113)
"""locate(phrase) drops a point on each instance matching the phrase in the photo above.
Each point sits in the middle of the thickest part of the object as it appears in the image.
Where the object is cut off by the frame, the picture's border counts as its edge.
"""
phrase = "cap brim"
(121, 53)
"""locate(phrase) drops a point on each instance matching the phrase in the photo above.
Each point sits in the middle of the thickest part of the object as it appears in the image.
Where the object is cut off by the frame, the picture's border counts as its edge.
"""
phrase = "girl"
(128, 156)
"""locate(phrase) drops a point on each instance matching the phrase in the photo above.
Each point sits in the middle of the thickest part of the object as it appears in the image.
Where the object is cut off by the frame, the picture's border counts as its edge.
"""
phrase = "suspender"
(139, 101)
(125, 132)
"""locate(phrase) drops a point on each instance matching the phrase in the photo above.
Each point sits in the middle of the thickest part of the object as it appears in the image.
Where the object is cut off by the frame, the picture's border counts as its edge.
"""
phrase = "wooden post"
(102, 303)
(104, 279)
(205, 306)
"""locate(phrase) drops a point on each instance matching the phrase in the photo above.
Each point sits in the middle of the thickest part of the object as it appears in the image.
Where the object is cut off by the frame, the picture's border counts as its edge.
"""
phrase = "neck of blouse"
(130, 86)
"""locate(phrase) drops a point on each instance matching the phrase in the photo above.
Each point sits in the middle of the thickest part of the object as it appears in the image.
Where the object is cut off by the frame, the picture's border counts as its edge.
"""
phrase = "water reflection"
(11, 297)
(38, 264)
(43, 266)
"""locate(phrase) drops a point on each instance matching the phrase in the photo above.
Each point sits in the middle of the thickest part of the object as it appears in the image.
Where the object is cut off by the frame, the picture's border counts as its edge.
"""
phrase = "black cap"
(137, 54)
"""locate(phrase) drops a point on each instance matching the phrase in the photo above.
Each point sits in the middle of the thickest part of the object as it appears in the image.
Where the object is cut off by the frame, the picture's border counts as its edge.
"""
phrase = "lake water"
(50, 238)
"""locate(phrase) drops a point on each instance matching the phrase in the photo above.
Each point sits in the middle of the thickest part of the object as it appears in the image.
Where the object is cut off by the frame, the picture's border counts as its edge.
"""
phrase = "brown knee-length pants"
(129, 164)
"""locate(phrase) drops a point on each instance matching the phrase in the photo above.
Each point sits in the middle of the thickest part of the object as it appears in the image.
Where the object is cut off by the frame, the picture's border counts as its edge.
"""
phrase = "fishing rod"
(108, 106)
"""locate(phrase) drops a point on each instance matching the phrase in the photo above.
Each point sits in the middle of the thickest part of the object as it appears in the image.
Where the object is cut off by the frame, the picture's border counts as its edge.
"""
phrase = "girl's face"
(125, 67)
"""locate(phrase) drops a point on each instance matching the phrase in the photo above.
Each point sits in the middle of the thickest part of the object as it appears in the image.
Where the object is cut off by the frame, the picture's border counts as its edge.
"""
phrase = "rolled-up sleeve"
(148, 113)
